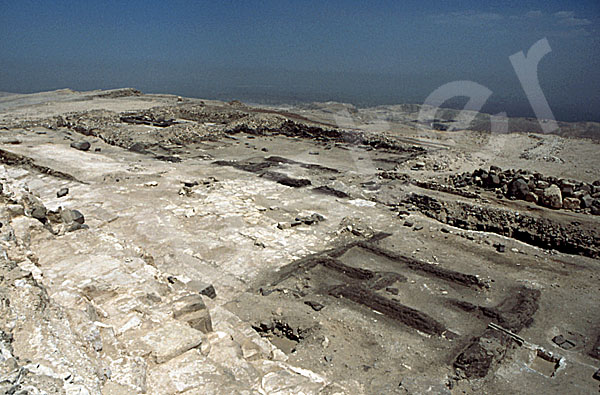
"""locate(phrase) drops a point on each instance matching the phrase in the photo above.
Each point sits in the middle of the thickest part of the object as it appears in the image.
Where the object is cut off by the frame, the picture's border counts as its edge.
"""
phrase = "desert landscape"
(158, 244)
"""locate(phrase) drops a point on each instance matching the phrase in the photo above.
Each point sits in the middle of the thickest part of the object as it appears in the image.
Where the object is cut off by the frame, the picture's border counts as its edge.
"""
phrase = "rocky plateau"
(154, 244)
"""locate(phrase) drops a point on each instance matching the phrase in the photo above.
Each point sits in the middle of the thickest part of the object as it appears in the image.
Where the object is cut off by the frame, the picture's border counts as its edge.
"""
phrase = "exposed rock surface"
(209, 247)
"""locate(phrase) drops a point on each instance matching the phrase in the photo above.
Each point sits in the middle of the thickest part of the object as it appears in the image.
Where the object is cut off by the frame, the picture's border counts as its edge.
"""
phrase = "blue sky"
(367, 53)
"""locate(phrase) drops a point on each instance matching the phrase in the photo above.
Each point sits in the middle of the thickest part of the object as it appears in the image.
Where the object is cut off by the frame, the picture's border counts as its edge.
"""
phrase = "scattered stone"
(310, 219)
(418, 227)
(284, 225)
(190, 184)
(97, 149)
(39, 212)
(500, 247)
(71, 216)
(185, 191)
(81, 145)
(408, 223)
(392, 290)
(314, 305)
(62, 192)
(597, 375)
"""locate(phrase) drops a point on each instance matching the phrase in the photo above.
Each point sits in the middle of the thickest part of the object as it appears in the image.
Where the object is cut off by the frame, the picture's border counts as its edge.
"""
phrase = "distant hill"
(446, 118)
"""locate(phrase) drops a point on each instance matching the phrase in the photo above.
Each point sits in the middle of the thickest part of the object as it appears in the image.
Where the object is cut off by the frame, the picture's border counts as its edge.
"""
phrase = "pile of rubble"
(552, 192)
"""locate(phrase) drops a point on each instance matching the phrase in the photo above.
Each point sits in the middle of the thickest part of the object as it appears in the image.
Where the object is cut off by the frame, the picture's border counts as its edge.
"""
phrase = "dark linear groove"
(392, 309)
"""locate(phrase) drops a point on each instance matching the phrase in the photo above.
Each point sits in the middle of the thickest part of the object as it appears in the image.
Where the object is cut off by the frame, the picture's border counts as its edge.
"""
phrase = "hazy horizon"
(284, 52)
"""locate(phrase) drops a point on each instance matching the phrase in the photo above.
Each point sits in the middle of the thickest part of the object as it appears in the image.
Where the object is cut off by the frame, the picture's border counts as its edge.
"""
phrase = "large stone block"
(192, 373)
(171, 339)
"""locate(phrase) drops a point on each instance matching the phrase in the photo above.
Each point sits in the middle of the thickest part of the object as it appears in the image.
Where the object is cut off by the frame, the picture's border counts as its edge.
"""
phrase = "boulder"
(34, 207)
(39, 212)
(494, 181)
(596, 207)
(586, 201)
(531, 197)
(484, 177)
(15, 210)
(571, 203)
(518, 188)
(70, 216)
(567, 189)
(138, 147)
(542, 184)
(81, 145)
(552, 197)
(587, 188)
